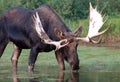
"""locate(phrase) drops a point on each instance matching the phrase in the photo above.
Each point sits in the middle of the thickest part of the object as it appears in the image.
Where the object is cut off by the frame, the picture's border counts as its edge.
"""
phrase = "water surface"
(97, 64)
(51, 74)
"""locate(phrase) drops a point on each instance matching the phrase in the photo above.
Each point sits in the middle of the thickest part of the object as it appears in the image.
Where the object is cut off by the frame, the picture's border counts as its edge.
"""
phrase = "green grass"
(114, 30)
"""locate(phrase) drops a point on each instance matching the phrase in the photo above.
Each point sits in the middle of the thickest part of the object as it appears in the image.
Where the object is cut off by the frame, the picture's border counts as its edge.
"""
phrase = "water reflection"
(73, 77)
(66, 76)
(16, 79)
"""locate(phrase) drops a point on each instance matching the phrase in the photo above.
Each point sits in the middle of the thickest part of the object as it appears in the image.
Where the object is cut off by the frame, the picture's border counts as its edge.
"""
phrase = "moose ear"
(59, 33)
(78, 31)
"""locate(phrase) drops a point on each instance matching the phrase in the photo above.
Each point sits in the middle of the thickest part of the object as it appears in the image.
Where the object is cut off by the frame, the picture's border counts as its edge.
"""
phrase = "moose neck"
(51, 20)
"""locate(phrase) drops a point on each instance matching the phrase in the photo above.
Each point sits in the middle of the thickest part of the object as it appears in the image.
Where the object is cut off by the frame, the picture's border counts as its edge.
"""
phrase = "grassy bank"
(114, 31)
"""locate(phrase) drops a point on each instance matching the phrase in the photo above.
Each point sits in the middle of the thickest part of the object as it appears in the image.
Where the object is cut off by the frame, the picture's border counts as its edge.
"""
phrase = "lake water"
(52, 74)
(95, 67)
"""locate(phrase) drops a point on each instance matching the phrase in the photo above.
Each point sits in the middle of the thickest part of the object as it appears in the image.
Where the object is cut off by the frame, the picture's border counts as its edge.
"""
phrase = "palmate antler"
(95, 24)
(42, 34)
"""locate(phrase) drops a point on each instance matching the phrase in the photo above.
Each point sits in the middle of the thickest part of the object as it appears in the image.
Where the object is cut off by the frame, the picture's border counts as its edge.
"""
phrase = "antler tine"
(42, 34)
(38, 26)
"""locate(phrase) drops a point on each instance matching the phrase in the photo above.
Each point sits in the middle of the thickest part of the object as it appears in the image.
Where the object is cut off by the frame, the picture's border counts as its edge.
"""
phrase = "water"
(102, 66)
(52, 74)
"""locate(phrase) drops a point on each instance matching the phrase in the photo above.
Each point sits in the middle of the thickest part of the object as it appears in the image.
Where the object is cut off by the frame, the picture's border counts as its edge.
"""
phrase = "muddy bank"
(112, 42)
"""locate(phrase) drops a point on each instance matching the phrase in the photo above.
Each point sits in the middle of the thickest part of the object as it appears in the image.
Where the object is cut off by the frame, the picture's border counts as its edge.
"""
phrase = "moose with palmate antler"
(42, 30)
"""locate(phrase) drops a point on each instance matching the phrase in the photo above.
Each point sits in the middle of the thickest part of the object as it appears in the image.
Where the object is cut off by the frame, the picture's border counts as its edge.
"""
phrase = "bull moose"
(44, 31)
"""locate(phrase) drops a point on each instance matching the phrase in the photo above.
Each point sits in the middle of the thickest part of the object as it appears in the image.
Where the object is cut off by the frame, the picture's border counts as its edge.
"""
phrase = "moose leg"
(3, 45)
(60, 60)
(15, 56)
(32, 59)
(61, 76)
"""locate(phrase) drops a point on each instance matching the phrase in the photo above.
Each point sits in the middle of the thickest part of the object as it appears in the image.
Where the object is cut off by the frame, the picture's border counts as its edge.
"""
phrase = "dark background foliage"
(68, 9)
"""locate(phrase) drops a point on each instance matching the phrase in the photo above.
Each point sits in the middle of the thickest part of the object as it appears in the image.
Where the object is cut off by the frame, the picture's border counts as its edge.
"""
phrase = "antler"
(42, 34)
(95, 24)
